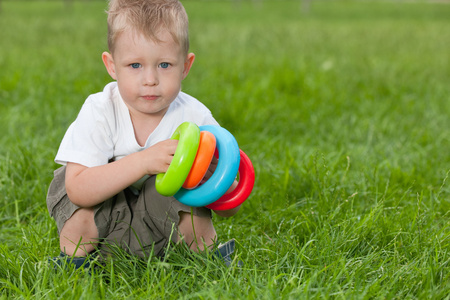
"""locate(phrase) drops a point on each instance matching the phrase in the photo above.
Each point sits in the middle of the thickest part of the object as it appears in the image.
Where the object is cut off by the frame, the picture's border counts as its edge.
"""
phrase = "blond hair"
(148, 17)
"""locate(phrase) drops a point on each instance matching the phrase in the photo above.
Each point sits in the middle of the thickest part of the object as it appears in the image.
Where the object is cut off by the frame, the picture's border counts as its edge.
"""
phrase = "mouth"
(150, 97)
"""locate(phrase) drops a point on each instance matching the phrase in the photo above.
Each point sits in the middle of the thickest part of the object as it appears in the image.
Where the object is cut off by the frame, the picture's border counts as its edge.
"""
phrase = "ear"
(108, 61)
(188, 64)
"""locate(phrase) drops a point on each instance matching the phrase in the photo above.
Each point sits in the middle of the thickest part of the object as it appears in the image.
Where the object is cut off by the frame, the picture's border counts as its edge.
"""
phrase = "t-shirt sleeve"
(88, 141)
(195, 111)
(208, 119)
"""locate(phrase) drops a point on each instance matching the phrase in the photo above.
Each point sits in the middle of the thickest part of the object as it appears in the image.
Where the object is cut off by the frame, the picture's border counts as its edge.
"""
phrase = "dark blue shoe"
(224, 251)
(64, 259)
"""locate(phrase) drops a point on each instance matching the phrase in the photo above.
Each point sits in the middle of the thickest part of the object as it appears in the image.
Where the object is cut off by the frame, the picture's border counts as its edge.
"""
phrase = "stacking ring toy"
(224, 175)
(242, 191)
(188, 134)
(205, 153)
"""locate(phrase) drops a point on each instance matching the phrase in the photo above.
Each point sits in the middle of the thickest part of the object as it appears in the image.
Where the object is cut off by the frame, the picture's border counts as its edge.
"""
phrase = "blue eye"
(164, 65)
(135, 65)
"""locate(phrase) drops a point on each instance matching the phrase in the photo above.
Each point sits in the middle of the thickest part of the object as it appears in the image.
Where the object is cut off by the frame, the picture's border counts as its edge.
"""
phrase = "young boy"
(103, 192)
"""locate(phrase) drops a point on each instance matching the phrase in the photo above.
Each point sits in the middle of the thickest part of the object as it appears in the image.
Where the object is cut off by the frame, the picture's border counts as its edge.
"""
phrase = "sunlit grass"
(344, 112)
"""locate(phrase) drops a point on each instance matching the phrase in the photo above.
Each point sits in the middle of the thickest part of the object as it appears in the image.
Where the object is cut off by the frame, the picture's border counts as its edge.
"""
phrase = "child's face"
(148, 74)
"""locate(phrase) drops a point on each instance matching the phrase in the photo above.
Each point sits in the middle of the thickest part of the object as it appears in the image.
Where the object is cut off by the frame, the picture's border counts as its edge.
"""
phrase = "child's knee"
(79, 233)
(196, 230)
(82, 219)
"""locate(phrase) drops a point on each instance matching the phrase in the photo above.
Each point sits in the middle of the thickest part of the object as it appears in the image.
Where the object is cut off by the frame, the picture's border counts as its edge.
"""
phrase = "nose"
(150, 78)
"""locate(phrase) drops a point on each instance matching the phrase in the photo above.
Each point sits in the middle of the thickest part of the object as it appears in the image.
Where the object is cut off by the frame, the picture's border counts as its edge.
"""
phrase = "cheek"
(126, 89)
(175, 89)
(173, 83)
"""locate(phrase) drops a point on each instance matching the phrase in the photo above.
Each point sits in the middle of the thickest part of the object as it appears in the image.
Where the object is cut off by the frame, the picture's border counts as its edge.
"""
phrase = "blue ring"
(224, 175)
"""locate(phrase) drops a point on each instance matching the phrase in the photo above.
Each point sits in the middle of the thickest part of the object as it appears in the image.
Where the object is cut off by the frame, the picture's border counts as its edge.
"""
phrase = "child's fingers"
(211, 169)
(171, 146)
(160, 156)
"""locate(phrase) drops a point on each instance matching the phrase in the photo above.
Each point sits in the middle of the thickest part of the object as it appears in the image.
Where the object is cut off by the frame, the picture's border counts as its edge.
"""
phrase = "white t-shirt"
(103, 130)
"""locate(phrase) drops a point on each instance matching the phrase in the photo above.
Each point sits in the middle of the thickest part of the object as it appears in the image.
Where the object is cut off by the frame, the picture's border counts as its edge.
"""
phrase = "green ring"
(188, 134)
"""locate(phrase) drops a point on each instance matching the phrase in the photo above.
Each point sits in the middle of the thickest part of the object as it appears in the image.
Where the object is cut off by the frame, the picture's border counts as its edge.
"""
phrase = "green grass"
(344, 112)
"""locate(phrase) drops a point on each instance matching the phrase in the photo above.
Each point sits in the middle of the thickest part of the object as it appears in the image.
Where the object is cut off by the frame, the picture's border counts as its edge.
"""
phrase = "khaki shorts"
(135, 222)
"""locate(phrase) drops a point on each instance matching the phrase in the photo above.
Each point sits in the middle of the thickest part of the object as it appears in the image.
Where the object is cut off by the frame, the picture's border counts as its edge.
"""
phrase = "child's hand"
(159, 156)
(209, 173)
(211, 169)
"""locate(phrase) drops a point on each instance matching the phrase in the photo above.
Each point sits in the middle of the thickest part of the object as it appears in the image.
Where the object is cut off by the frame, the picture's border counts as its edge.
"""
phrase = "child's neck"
(144, 126)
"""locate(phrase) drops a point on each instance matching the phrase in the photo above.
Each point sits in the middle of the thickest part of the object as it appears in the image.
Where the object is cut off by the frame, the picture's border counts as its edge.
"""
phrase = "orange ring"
(202, 161)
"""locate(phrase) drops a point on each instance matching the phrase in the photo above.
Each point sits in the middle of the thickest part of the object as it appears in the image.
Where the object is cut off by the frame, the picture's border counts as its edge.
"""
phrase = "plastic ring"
(205, 153)
(243, 189)
(224, 175)
(188, 134)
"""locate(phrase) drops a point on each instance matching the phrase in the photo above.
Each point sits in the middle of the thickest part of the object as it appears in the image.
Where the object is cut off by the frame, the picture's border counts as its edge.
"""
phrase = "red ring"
(243, 189)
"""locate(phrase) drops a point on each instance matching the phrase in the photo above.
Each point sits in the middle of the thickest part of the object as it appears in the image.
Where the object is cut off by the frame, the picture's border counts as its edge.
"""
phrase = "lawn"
(343, 110)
